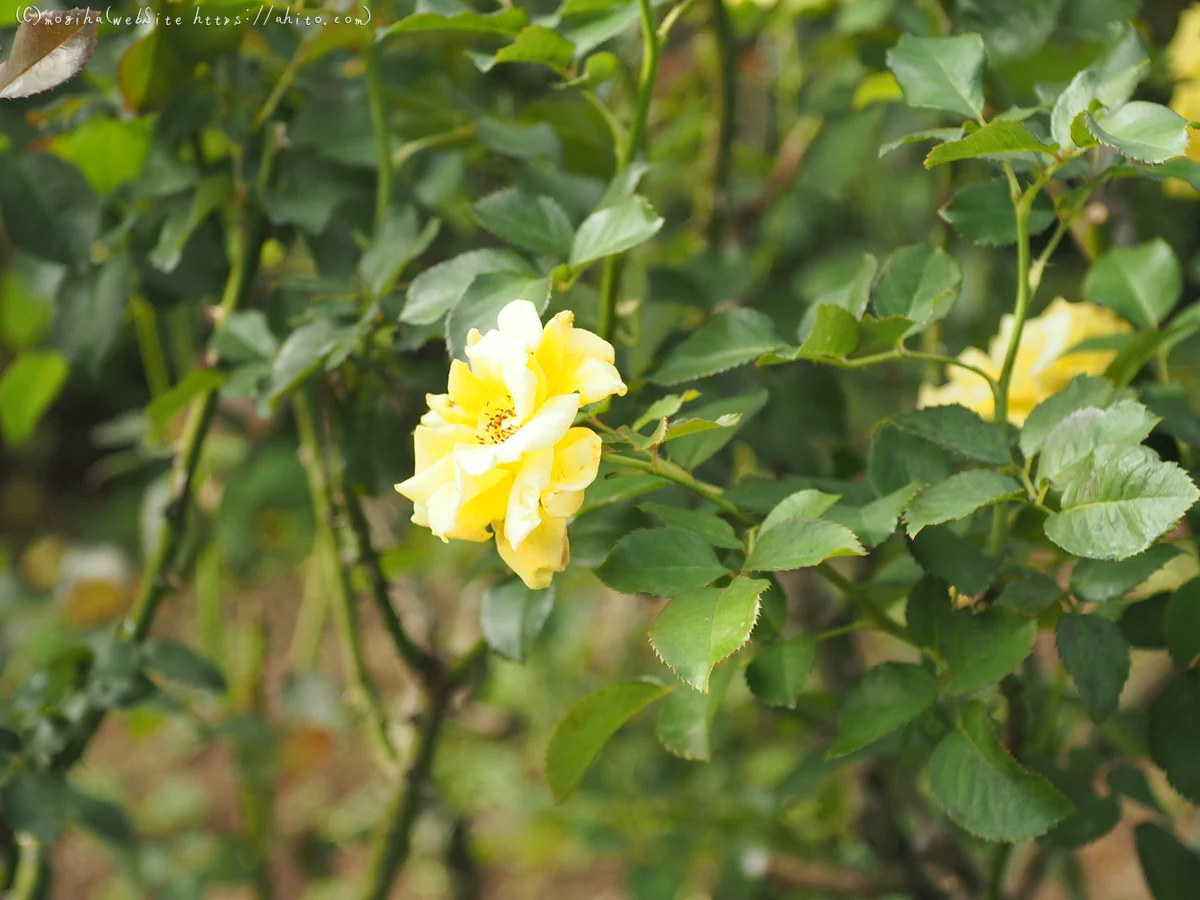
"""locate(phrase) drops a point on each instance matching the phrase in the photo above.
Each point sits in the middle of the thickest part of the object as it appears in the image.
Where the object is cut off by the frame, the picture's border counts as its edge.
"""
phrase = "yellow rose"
(497, 454)
(1183, 53)
(1045, 363)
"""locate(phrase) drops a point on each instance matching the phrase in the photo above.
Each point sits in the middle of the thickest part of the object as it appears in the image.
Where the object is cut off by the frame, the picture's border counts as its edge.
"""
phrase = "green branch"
(379, 125)
(670, 471)
(345, 613)
(726, 122)
(394, 842)
(610, 280)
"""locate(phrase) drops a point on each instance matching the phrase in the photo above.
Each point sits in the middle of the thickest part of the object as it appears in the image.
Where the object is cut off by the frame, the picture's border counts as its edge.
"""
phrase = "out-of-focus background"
(116, 194)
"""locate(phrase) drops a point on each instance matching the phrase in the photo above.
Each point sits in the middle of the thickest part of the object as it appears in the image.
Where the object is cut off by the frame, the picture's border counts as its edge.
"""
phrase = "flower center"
(497, 422)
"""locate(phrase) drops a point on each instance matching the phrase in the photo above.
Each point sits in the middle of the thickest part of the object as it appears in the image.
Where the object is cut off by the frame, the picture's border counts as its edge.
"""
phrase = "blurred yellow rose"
(1183, 59)
(1045, 363)
(497, 454)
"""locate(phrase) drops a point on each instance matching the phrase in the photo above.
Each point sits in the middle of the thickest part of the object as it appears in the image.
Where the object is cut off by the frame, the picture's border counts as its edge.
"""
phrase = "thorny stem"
(651, 53)
(394, 842)
(416, 657)
(345, 613)
(379, 125)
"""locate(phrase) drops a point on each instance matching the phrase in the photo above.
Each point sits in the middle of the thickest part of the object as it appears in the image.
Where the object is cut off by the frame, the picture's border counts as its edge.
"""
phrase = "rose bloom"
(1045, 364)
(497, 455)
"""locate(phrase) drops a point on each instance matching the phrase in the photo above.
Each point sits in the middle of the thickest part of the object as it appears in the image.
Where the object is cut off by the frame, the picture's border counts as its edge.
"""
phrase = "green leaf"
(691, 451)
(997, 137)
(614, 229)
(803, 504)
(537, 224)
(507, 21)
(1011, 29)
(929, 134)
(1142, 283)
(103, 818)
(664, 561)
(1087, 430)
(49, 49)
(983, 213)
(533, 44)
(959, 496)
(918, 282)
(588, 726)
(28, 387)
(1084, 390)
(799, 543)
(35, 803)
(513, 615)
(851, 290)
(1121, 504)
(941, 72)
(49, 208)
(1174, 733)
(399, 241)
(888, 697)
(90, 312)
(899, 458)
(1099, 581)
(685, 719)
(985, 790)
(211, 194)
(1071, 108)
(1171, 868)
(438, 289)
(980, 649)
(164, 408)
(301, 355)
(834, 334)
(1144, 622)
(1130, 781)
(1147, 132)
(1031, 593)
(727, 340)
(663, 408)
(1096, 655)
(1136, 351)
(944, 554)
(959, 430)
(777, 674)
(1182, 623)
(701, 627)
(246, 336)
(707, 525)
(482, 301)
(874, 522)
(180, 663)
